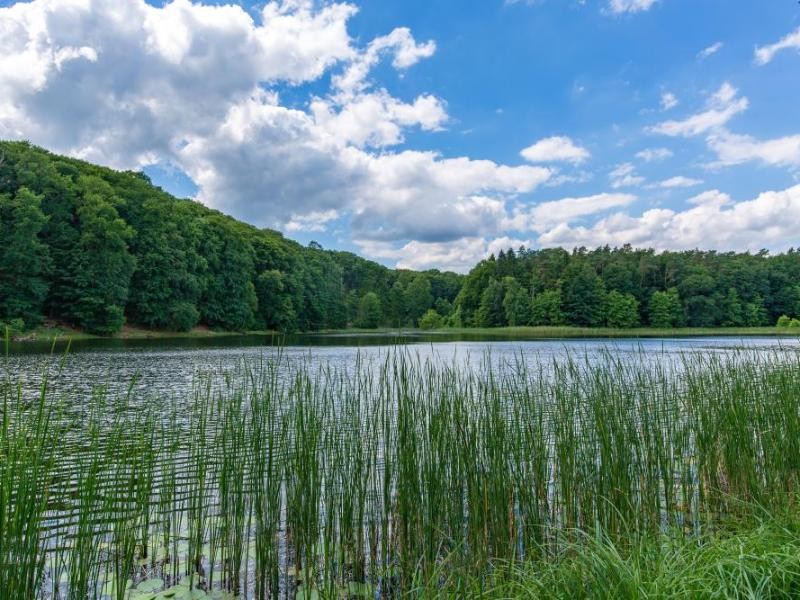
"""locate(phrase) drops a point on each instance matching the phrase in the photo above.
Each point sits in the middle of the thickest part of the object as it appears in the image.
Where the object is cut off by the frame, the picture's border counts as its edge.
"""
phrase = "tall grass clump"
(600, 476)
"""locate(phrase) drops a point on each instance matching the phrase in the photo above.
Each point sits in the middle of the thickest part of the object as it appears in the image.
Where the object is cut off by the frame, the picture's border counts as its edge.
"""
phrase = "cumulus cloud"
(721, 107)
(625, 175)
(629, 6)
(765, 54)
(654, 154)
(713, 221)
(733, 149)
(678, 181)
(459, 256)
(197, 86)
(555, 149)
(668, 101)
(711, 50)
(545, 215)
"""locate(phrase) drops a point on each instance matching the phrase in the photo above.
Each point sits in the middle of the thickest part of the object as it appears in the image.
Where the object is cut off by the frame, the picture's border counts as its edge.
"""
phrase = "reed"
(583, 476)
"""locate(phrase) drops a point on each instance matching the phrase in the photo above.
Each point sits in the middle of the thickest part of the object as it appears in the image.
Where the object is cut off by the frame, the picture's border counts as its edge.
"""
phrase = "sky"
(431, 133)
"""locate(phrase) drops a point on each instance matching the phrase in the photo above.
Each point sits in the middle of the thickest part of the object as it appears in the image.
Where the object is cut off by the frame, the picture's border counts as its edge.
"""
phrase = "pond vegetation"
(610, 476)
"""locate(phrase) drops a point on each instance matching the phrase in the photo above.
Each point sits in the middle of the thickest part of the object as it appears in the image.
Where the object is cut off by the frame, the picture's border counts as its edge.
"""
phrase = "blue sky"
(430, 133)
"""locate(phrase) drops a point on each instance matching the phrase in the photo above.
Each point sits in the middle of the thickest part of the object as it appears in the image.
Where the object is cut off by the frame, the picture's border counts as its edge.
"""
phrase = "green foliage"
(794, 323)
(783, 321)
(583, 294)
(622, 310)
(546, 309)
(24, 258)
(666, 311)
(93, 247)
(275, 302)
(370, 314)
(430, 320)
(418, 298)
(100, 265)
(516, 303)
(491, 312)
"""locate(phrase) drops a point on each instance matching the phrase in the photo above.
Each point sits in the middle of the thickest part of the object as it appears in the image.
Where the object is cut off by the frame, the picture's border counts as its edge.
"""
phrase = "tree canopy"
(97, 248)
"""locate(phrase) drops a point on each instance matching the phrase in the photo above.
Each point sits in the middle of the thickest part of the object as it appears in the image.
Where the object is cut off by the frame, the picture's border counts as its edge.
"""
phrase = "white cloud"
(625, 175)
(714, 222)
(679, 182)
(423, 196)
(192, 85)
(629, 6)
(654, 154)
(668, 101)
(733, 149)
(711, 50)
(400, 42)
(765, 54)
(315, 221)
(555, 149)
(566, 210)
(460, 255)
(721, 107)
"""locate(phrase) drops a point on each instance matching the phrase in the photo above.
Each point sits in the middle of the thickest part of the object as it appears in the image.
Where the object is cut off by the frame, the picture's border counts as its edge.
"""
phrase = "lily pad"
(150, 585)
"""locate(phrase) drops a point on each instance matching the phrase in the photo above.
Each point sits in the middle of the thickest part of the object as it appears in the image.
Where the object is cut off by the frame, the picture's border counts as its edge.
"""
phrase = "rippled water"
(169, 366)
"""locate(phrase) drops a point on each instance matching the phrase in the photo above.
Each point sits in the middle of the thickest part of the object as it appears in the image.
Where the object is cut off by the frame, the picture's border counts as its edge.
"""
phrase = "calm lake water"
(169, 366)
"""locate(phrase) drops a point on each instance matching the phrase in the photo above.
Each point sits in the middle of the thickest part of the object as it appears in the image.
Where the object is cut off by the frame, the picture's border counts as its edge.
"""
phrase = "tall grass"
(588, 476)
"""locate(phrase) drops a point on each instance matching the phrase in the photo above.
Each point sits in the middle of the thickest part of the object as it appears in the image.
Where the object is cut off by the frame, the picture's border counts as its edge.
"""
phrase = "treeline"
(96, 248)
(625, 288)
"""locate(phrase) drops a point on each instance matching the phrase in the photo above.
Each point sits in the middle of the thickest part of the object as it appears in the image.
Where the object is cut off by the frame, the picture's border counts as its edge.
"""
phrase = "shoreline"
(60, 334)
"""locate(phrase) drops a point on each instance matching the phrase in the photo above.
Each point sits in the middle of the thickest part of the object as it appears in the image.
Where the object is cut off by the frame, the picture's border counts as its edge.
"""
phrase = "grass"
(566, 332)
(54, 332)
(602, 476)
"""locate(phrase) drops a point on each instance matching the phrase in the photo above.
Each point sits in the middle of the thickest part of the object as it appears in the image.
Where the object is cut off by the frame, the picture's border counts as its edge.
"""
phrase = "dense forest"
(95, 248)
(624, 288)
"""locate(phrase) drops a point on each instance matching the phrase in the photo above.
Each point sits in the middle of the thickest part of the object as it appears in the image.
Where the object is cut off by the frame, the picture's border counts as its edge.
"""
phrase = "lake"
(169, 366)
(285, 477)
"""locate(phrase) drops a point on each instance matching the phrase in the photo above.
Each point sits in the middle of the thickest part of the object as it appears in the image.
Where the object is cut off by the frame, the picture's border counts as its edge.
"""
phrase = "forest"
(96, 249)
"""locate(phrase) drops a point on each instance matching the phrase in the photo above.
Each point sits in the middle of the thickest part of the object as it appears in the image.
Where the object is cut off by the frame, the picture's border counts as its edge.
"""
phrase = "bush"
(784, 321)
(12, 326)
(794, 323)
(430, 320)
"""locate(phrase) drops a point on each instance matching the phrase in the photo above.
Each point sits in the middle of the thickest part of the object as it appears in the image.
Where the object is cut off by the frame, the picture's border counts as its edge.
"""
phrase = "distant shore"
(50, 334)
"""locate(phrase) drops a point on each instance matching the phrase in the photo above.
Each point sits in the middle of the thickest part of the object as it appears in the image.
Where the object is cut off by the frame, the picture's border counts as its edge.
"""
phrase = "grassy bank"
(606, 476)
(537, 333)
(62, 332)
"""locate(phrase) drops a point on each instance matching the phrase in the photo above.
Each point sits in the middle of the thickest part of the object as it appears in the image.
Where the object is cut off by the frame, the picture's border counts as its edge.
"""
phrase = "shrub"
(784, 321)
(430, 320)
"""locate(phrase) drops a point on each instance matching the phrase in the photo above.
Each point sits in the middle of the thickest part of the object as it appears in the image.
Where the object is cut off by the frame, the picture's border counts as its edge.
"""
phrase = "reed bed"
(587, 476)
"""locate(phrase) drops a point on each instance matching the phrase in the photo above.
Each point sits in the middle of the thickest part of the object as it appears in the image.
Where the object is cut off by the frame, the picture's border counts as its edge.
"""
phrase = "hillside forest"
(95, 249)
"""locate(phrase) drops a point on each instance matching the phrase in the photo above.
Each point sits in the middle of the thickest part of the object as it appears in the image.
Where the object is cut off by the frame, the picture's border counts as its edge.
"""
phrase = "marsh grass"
(589, 476)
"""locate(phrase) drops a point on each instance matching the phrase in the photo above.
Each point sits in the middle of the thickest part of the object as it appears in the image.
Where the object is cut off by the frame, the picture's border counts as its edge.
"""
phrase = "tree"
(370, 314)
(418, 297)
(622, 310)
(583, 296)
(546, 309)
(516, 303)
(491, 312)
(732, 309)
(665, 309)
(229, 299)
(275, 305)
(755, 314)
(24, 259)
(430, 320)
(100, 265)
